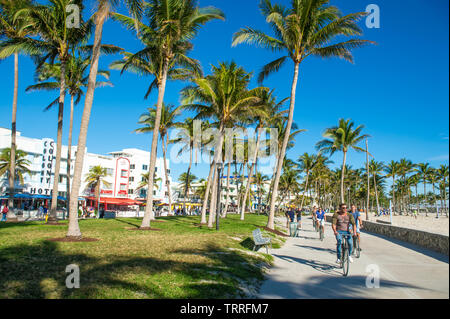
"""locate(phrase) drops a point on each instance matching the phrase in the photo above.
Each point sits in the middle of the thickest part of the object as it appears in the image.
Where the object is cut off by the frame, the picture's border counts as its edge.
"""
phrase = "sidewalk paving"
(305, 268)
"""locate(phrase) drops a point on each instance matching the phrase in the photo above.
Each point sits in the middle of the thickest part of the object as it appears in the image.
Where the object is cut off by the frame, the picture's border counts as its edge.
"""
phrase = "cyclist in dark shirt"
(341, 226)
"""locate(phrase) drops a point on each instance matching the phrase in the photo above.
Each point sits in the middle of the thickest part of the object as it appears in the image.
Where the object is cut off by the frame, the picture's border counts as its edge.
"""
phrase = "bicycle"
(321, 233)
(345, 261)
(315, 224)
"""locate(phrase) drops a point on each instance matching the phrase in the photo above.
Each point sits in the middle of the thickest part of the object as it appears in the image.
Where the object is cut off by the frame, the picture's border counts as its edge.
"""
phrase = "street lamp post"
(219, 190)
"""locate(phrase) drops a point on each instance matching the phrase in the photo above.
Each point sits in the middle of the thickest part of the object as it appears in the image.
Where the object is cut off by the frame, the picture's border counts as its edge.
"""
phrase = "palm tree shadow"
(322, 267)
(126, 222)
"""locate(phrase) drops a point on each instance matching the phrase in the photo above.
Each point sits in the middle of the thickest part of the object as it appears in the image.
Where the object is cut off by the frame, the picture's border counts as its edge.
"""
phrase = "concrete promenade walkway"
(305, 268)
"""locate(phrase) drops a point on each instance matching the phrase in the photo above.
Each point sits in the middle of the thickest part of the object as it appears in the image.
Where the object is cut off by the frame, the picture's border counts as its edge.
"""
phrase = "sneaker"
(350, 259)
(338, 261)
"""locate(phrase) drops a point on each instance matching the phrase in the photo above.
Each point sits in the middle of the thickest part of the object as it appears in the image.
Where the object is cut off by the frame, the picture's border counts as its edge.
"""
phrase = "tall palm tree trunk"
(74, 229)
(217, 157)
(376, 193)
(212, 207)
(342, 176)
(69, 154)
(425, 197)
(208, 188)
(62, 94)
(250, 175)
(186, 189)
(393, 193)
(368, 181)
(164, 147)
(305, 190)
(228, 190)
(149, 214)
(12, 165)
(270, 222)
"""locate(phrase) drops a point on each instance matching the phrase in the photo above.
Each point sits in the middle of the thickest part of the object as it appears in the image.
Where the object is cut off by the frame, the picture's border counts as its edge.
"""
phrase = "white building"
(125, 169)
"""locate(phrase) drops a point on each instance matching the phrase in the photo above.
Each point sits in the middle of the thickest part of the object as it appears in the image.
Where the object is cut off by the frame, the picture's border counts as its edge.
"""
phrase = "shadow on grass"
(38, 271)
(247, 243)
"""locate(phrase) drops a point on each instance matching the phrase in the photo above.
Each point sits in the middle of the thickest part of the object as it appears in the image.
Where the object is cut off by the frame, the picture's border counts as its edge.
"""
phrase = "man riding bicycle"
(341, 221)
(357, 216)
(320, 216)
(314, 217)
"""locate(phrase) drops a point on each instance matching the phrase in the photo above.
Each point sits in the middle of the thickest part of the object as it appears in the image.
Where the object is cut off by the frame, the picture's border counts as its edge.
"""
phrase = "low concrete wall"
(435, 242)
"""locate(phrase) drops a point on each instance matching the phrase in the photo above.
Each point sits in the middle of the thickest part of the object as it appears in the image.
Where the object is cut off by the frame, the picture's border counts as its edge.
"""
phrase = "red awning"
(116, 201)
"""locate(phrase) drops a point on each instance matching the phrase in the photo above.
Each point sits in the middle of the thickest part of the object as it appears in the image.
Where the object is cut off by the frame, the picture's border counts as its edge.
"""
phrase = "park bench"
(259, 240)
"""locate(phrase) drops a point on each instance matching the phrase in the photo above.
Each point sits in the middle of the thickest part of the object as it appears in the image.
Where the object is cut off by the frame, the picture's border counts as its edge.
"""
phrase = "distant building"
(125, 169)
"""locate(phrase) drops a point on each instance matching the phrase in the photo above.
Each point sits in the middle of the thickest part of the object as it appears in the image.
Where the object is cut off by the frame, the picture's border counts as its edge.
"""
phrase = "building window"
(123, 187)
(168, 171)
(131, 179)
(132, 166)
(130, 191)
(145, 167)
(143, 193)
(154, 192)
(109, 171)
(123, 173)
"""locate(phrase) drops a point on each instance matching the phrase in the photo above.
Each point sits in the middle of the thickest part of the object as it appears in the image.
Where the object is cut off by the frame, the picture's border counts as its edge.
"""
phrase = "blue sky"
(398, 89)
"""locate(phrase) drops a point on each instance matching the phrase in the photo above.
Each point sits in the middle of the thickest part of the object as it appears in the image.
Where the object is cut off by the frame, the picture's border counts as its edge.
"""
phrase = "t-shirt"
(320, 214)
(342, 221)
(356, 216)
(291, 215)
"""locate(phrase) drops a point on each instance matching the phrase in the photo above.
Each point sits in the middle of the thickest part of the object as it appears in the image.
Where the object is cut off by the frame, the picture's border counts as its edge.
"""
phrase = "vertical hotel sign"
(47, 162)
(122, 177)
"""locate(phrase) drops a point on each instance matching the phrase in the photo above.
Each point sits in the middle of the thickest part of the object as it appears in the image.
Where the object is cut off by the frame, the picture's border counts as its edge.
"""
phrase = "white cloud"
(443, 157)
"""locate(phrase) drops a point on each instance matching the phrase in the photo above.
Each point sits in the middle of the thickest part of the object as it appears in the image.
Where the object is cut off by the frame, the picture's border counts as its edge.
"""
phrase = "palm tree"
(95, 178)
(271, 108)
(376, 168)
(21, 167)
(21, 164)
(307, 28)
(406, 167)
(55, 39)
(260, 180)
(433, 178)
(49, 75)
(342, 138)
(443, 175)
(186, 181)
(224, 96)
(307, 163)
(392, 170)
(144, 181)
(186, 137)
(168, 121)
(424, 171)
(13, 27)
(171, 27)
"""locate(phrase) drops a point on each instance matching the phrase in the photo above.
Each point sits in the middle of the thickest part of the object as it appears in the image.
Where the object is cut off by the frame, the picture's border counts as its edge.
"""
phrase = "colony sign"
(47, 162)
(44, 187)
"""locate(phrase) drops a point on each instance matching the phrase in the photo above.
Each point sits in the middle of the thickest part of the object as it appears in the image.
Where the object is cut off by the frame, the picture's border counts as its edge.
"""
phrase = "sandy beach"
(429, 224)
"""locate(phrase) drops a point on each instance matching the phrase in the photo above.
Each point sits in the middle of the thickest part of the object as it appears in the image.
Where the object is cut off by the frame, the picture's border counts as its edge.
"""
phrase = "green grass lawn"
(181, 260)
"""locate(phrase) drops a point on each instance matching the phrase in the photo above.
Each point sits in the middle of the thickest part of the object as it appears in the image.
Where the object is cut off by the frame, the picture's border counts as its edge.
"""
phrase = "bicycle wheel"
(345, 260)
(356, 247)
